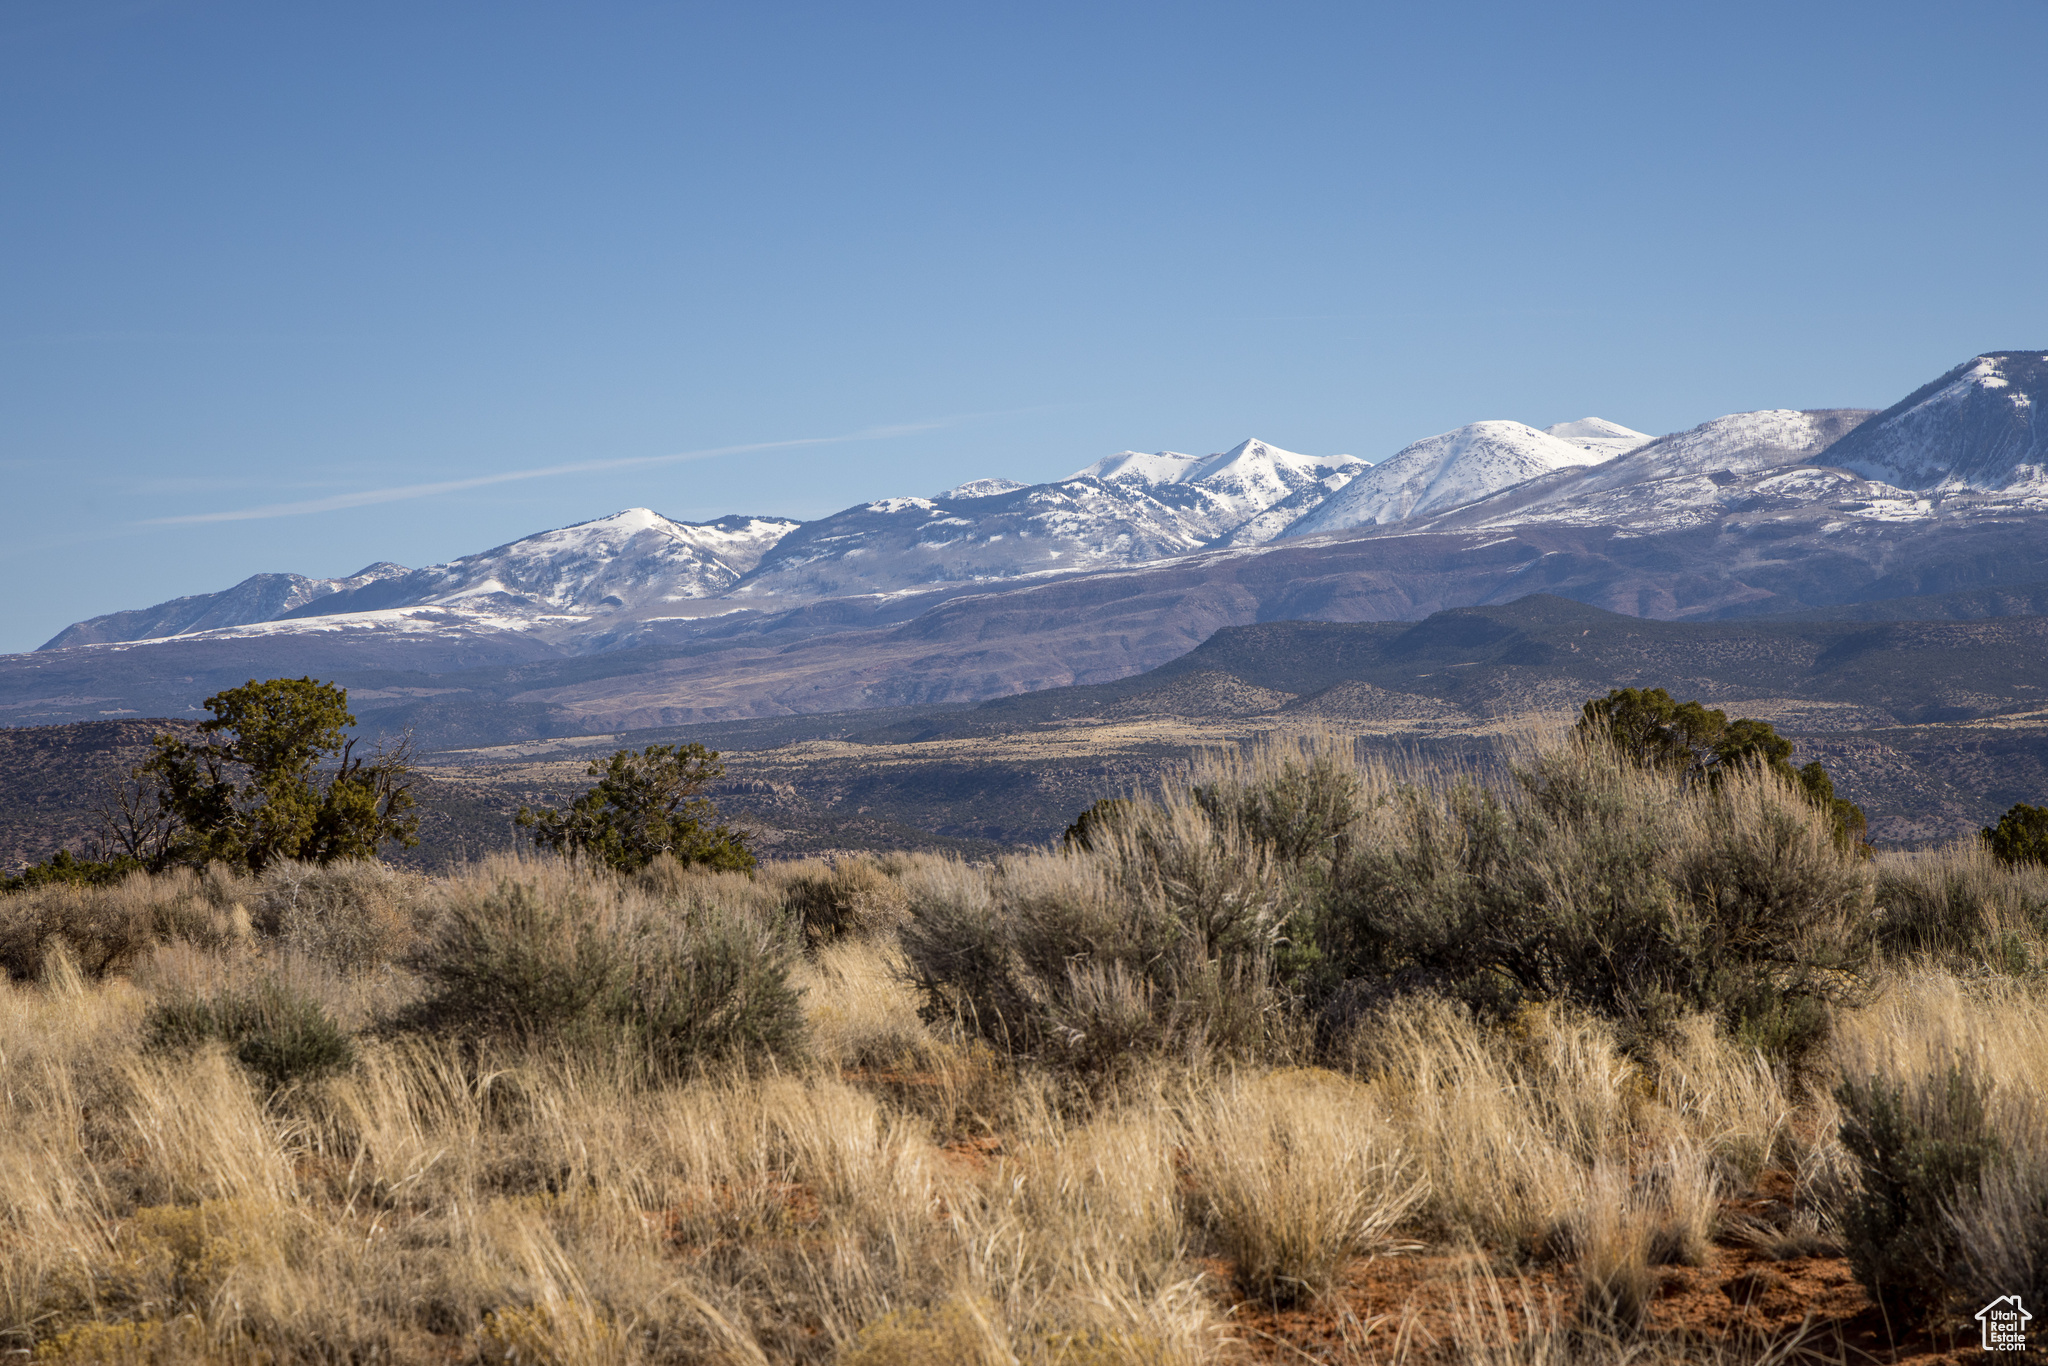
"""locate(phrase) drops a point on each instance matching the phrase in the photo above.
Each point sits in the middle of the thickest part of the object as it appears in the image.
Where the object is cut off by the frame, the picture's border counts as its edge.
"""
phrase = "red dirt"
(974, 1154)
(1417, 1305)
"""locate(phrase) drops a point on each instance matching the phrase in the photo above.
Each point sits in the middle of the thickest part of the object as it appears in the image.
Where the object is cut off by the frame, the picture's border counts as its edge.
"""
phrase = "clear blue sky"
(258, 255)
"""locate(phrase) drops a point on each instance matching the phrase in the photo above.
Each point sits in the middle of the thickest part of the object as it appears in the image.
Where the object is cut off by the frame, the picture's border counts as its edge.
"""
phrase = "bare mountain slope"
(54, 780)
(1935, 726)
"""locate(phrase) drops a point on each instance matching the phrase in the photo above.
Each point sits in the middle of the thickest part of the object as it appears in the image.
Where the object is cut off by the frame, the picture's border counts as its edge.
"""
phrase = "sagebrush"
(1072, 1107)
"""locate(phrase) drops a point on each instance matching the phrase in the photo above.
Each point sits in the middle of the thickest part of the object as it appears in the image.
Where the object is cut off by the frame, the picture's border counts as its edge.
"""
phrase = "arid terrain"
(1919, 784)
(1934, 728)
(1073, 1107)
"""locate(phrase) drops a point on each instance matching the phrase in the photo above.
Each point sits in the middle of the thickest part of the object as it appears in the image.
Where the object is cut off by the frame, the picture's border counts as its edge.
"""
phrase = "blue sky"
(263, 257)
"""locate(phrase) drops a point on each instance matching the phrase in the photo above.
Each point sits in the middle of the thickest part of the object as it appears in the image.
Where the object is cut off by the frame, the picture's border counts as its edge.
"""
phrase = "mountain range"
(994, 587)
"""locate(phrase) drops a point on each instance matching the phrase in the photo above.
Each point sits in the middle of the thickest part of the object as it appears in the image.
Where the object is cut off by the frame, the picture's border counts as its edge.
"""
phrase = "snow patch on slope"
(631, 559)
(631, 556)
(1252, 476)
(1126, 509)
(981, 488)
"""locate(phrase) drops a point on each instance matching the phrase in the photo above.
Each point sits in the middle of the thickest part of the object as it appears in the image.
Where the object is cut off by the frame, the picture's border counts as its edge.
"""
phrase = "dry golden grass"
(110, 929)
(1300, 1172)
(899, 1192)
(862, 1012)
(1961, 899)
(1733, 1103)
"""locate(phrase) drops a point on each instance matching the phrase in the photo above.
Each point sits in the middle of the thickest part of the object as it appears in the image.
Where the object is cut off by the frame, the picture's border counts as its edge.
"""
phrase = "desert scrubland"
(1299, 1057)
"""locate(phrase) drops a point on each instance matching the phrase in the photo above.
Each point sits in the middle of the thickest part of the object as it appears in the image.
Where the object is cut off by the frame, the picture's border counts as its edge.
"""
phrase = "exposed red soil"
(1427, 1306)
(973, 1154)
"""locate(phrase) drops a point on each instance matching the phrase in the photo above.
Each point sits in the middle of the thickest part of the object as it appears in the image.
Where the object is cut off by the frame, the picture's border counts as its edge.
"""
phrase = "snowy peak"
(1598, 437)
(602, 536)
(629, 559)
(630, 521)
(1441, 472)
(1250, 463)
(1981, 426)
(1593, 429)
(1243, 496)
(895, 545)
(1125, 509)
(260, 597)
(567, 575)
(744, 538)
(1265, 473)
(1687, 470)
(1136, 467)
(1973, 442)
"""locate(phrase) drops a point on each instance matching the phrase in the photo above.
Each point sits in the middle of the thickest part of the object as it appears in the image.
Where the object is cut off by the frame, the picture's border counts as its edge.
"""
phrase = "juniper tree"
(274, 775)
(1700, 743)
(643, 806)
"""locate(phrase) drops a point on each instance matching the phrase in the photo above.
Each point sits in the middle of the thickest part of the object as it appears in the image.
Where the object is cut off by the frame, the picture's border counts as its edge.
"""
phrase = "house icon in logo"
(2005, 1322)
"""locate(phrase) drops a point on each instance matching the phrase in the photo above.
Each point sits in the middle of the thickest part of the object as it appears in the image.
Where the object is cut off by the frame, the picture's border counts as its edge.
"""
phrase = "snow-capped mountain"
(1445, 471)
(894, 544)
(260, 597)
(635, 558)
(1738, 442)
(1652, 481)
(1686, 501)
(1261, 527)
(1128, 508)
(631, 559)
(592, 580)
(1760, 511)
(1216, 495)
(1598, 437)
(1982, 426)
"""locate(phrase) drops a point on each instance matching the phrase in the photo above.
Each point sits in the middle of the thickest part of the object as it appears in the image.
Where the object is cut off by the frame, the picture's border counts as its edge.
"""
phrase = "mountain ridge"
(1004, 589)
(1445, 471)
(260, 597)
(1983, 426)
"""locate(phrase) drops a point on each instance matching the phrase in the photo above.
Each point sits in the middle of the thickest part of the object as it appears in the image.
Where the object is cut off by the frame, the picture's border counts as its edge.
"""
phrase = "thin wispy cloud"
(401, 492)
